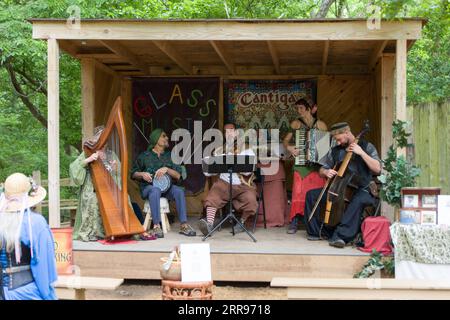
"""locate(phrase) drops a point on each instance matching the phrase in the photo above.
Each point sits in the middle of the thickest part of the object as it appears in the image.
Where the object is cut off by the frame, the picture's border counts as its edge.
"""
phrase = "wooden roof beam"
(295, 30)
(377, 53)
(97, 55)
(274, 55)
(170, 51)
(68, 47)
(123, 52)
(223, 56)
(244, 69)
(326, 49)
(105, 68)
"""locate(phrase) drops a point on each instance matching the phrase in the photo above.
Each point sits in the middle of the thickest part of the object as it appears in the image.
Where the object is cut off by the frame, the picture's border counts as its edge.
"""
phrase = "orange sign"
(63, 250)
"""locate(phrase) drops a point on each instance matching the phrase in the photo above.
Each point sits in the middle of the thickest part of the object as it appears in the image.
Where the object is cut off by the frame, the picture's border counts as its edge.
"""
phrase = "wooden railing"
(65, 204)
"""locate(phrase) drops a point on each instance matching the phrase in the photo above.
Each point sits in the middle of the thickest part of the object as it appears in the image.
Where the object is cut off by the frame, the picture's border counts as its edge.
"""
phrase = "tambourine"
(163, 183)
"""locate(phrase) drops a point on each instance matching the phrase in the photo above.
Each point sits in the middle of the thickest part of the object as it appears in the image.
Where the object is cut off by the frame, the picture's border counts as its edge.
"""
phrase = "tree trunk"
(25, 99)
(340, 8)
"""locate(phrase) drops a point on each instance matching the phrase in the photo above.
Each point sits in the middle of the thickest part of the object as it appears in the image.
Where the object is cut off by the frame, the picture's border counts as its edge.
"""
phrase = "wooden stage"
(238, 258)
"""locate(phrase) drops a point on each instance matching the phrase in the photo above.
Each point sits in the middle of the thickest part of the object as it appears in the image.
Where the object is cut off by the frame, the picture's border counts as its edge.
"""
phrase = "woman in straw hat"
(27, 254)
(88, 222)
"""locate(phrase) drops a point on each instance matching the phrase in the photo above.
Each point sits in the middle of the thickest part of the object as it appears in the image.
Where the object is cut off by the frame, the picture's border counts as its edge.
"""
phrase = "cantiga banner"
(266, 104)
(172, 103)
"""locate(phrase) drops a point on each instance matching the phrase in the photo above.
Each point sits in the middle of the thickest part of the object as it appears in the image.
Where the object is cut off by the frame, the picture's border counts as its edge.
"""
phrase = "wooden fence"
(431, 138)
(65, 204)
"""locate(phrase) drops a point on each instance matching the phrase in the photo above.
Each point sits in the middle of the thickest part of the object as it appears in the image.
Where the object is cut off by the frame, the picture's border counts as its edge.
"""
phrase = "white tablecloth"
(421, 271)
(421, 252)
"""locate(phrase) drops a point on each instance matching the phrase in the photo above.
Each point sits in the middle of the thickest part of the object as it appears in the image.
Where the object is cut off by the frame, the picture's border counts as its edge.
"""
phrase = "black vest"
(18, 279)
(363, 175)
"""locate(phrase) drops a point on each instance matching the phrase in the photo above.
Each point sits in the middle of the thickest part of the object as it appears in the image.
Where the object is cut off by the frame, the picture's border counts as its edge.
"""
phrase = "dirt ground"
(151, 290)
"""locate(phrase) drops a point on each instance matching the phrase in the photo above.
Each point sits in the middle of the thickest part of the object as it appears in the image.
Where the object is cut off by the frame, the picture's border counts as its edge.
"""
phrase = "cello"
(339, 189)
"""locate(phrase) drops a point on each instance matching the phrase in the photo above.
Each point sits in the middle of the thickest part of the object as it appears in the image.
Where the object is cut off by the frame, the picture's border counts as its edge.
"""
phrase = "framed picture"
(410, 216)
(444, 210)
(429, 201)
(428, 217)
(411, 201)
(426, 197)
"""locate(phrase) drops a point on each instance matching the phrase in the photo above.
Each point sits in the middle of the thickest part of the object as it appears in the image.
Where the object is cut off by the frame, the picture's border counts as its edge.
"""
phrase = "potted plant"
(397, 173)
(377, 262)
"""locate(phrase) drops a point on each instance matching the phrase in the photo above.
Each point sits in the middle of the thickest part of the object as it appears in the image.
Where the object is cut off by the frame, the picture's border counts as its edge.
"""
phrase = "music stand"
(229, 164)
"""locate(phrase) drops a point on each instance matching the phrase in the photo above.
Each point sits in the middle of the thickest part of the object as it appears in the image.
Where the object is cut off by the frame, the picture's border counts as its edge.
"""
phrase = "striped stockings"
(210, 214)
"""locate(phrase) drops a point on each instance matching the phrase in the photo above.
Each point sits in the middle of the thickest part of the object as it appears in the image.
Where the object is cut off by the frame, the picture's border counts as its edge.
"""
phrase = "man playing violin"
(364, 163)
(243, 191)
(153, 164)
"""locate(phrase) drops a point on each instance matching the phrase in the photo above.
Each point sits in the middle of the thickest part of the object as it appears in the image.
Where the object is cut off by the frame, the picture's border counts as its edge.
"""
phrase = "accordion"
(313, 145)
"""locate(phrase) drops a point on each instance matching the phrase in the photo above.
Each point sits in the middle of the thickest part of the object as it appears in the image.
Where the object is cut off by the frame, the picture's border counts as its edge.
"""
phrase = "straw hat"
(16, 187)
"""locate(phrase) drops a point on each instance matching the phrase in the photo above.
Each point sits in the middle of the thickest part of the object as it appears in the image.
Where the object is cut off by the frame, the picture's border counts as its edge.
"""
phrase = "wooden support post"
(221, 106)
(38, 181)
(400, 92)
(387, 117)
(387, 102)
(53, 132)
(87, 97)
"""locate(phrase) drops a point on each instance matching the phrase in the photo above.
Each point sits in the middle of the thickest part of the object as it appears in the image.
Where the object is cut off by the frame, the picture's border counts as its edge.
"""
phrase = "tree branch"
(323, 10)
(25, 99)
(37, 85)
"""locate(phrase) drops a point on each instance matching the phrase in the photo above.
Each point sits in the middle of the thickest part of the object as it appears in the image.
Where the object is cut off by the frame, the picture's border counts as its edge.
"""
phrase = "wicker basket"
(174, 272)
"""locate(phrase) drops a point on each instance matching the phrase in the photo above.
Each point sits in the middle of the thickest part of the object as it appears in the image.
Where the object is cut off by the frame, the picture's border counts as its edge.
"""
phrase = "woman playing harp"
(88, 221)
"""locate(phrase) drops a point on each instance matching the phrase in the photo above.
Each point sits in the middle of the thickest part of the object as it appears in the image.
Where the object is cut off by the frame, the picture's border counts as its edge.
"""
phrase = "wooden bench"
(74, 287)
(363, 289)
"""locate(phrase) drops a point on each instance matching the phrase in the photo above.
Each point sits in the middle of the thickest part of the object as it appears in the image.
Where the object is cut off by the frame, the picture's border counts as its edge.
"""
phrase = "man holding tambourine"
(155, 170)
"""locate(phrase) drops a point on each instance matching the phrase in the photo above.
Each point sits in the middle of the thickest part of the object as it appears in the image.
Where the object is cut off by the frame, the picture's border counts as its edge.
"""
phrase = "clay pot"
(174, 272)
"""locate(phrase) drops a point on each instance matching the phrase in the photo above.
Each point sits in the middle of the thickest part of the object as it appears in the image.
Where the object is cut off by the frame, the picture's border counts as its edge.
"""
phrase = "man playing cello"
(364, 163)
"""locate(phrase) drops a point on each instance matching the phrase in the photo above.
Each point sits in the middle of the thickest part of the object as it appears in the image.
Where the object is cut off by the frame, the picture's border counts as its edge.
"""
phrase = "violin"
(339, 189)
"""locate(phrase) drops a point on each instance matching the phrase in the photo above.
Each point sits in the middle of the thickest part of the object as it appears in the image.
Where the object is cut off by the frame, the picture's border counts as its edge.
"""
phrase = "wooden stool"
(177, 290)
(164, 209)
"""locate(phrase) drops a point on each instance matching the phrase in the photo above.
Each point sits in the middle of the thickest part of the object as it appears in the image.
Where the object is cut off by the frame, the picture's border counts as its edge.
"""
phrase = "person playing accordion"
(306, 175)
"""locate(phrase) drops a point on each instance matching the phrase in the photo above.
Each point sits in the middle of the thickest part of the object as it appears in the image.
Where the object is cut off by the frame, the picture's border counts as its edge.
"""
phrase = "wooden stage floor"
(233, 258)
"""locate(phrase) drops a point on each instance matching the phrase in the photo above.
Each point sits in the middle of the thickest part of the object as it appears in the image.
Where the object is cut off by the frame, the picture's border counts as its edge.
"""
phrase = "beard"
(9, 225)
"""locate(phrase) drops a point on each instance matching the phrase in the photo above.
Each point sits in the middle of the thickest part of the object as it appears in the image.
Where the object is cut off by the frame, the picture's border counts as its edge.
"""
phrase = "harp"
(110, 176)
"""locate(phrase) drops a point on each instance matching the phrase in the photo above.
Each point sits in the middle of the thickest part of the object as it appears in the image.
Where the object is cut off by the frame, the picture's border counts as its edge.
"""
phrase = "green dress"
(88, 222)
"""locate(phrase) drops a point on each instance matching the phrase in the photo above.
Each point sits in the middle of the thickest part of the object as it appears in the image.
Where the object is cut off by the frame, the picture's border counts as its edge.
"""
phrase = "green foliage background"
(23, 138)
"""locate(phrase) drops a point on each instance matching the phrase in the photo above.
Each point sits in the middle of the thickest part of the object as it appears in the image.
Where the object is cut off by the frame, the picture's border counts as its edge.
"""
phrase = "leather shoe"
(187, 230)
(238, 228)
(157, 231)
(313, 238)
(204, 226)
(293, 226)
(338, 243)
